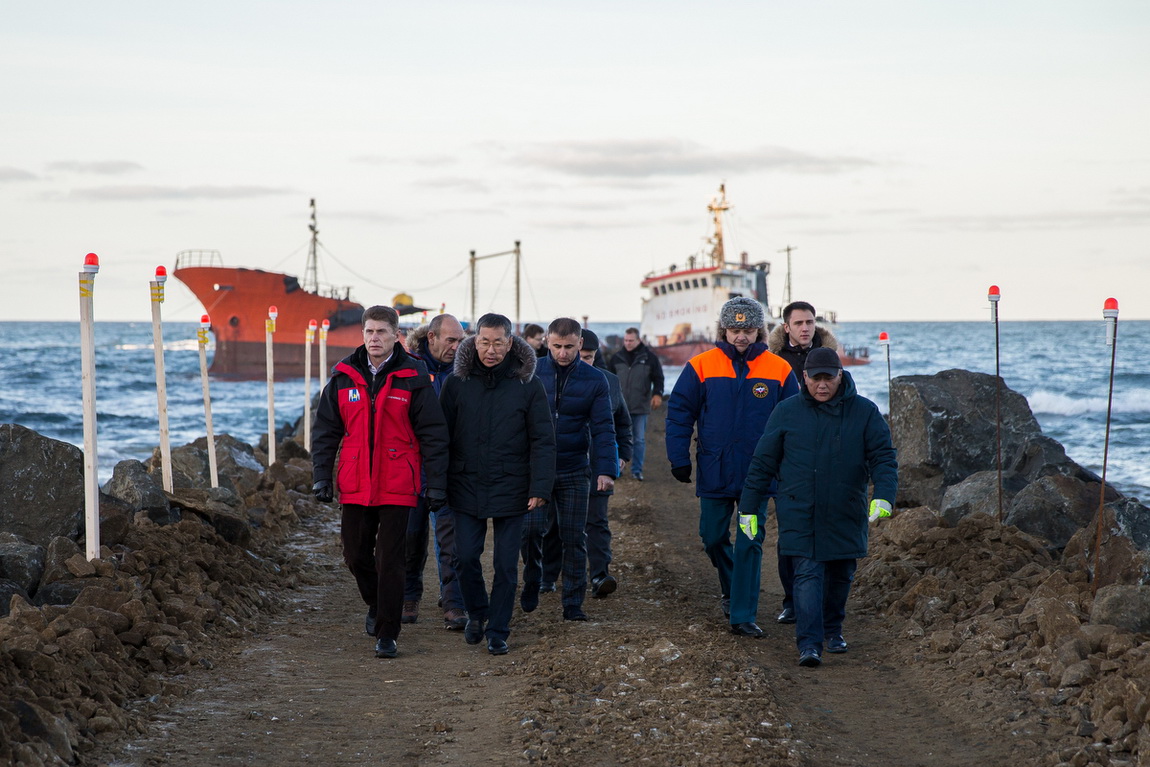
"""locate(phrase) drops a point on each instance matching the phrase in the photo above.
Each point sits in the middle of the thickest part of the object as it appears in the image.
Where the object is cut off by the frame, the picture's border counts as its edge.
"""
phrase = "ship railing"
(860, 352)
(188, 258)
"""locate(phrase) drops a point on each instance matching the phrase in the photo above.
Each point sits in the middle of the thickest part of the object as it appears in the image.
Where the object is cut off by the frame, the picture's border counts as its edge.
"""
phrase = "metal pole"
(994, 296)
(309, 338)
(88, 392)
(518, 326)
(884, 342)
(202, 338)
(157, 291)
(1110, 312)
(473, 287)
(270, 327)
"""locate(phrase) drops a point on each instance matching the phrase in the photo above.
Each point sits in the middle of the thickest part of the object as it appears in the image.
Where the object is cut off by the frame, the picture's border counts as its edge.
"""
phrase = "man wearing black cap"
(823, 448)
(727, 394)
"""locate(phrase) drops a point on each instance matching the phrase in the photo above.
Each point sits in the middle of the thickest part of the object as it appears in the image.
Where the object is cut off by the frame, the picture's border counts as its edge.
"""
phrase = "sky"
(913, 153)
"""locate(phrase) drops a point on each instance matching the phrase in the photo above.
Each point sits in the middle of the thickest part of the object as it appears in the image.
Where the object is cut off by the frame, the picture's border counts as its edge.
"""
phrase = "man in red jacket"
(380, 416)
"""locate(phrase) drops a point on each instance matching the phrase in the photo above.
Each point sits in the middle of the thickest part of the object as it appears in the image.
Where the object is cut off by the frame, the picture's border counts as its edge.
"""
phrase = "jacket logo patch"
(353, 395)
(760, 390)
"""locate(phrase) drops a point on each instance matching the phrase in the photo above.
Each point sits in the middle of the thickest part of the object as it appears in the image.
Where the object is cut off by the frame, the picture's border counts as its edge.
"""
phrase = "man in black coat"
(502, 466)
(641, 378)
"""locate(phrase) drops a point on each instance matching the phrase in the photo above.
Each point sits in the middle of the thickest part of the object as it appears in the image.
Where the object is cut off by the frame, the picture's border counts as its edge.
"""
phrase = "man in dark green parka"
(823, 448)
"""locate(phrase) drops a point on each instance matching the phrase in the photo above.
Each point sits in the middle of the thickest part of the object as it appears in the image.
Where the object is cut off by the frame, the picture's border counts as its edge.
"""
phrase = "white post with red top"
(88, 394)
(157, 292)
(323, 371)
(270, 326)
(1110, 314)
(308, 340)
(202, 338)
(884, 342)
(994, 295)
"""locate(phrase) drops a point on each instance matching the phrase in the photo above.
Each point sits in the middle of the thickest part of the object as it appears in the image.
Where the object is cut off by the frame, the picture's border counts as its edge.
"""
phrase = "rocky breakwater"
(87, 648)
(1014, 616)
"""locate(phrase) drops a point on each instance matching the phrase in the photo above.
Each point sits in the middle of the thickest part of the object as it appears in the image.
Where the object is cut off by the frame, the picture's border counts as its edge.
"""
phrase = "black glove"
(436, 500)
(323, 491)
(682, 473)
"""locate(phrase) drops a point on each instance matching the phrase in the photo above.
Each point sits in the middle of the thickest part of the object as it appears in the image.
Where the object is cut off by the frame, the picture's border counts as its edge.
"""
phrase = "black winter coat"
(502, 438)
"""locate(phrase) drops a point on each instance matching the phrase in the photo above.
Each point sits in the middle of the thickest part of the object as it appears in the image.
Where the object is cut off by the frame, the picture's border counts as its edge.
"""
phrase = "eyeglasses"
(484, 345)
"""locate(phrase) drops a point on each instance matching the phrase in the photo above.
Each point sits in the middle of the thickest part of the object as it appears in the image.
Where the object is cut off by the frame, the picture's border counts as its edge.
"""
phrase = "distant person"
(823, 448)
(580, 402)
(641, 377)
(533, 335)
(380, 416)
(727, 394)
(792, 341)
(503, 467)
(435, 343)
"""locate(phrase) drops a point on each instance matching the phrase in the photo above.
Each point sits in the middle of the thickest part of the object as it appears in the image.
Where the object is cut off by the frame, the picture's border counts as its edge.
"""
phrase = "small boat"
(681, 307)
(237, 300)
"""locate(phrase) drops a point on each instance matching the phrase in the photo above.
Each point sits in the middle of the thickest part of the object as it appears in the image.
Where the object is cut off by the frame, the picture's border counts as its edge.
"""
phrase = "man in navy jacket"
(580, 403)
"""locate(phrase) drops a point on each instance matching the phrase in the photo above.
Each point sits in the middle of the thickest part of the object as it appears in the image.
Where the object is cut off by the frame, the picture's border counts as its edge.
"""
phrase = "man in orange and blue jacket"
(727, 394)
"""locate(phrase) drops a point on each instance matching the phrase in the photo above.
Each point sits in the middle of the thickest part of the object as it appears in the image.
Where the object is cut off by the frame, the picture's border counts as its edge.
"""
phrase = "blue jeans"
(638, 442)
(821, 591)
(419, 524)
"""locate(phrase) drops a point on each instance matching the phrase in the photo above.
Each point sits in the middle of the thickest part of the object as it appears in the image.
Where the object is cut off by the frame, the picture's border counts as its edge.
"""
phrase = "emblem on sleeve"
(353, 395)
(760, 390)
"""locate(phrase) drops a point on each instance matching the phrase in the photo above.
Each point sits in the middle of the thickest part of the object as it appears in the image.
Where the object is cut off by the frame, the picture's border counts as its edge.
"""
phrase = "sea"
(1062, 368)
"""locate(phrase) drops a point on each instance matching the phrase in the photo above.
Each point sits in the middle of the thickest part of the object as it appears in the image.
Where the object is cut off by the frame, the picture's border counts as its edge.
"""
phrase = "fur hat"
(741, 312)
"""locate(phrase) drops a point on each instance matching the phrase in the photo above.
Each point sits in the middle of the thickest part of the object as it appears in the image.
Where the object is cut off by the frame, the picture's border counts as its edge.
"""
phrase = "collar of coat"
(823, 337)
(521, 354)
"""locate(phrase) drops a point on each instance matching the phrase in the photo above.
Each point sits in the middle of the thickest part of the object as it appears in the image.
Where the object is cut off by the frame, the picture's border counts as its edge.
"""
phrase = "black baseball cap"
(822, 360)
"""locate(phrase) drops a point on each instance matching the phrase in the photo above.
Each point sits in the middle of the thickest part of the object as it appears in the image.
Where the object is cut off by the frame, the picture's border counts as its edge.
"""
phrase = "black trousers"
(494, 607)
(374, 547)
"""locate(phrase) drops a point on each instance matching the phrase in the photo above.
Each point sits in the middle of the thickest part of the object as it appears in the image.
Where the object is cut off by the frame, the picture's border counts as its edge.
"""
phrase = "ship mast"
(718, 206)
(311, 273)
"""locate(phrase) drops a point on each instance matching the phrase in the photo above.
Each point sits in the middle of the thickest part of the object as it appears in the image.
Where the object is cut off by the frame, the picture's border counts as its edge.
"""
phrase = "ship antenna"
(311, 273)
(717, 207)
(787, 292)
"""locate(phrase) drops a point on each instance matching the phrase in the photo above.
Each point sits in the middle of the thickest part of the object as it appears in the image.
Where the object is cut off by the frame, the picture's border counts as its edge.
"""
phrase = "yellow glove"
(879, 509)
(749, 524)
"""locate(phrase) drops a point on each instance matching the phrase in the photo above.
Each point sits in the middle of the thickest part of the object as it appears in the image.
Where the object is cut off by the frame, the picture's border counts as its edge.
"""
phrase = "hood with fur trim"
(778, 338)
(416, 337)
(520, 350)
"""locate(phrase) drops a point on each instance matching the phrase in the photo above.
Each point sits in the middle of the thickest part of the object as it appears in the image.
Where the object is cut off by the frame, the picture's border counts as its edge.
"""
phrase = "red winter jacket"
(385, 428)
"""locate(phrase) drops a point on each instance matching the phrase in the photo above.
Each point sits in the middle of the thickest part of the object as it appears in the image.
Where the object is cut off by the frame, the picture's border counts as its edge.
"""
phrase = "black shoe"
(473, 631)
(529, 599)
(837, 644)
(547, 587)
(810, 658)
(601, 587)
(497, 646)
(574, 613)
(369, 622)
(786, 616)
(385, 648)
(725, 606)
(748, 629)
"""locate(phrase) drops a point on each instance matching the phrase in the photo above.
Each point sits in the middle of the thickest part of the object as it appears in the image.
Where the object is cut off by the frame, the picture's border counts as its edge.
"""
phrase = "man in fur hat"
(727, 394)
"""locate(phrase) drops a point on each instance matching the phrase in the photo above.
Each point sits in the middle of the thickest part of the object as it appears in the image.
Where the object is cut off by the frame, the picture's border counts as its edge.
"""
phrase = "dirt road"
(654, 678)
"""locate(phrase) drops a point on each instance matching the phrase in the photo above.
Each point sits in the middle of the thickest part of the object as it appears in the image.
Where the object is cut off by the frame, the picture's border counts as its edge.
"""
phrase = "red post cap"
(91, 263)
(273, 312)
(994, 294)
(205, 321)
(1111, 303)
(311, 325)
(326, 324)
(161, 274)
(883, 336)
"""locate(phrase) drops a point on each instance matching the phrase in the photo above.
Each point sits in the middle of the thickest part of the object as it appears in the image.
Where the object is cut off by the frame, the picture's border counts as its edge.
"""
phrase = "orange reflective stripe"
(769, 366)
(713, 364)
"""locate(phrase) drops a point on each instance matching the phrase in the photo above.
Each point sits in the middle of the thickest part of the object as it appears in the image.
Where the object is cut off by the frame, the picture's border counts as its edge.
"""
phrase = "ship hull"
(237, 301)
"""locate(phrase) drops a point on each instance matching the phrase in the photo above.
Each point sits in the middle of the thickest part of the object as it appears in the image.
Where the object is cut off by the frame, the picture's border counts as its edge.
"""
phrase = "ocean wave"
(1052, 403)
(178, 345)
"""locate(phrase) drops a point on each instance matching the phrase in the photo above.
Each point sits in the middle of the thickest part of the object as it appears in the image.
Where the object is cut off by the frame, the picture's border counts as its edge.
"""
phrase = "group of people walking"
(457, 430)
(531, 433)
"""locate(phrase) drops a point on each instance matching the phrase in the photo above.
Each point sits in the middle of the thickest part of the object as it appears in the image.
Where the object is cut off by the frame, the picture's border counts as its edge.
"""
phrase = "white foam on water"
(1052, 403)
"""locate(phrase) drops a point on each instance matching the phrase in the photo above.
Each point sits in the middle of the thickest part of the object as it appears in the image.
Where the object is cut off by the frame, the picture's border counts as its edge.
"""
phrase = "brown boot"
(454, 619)
(410, 611)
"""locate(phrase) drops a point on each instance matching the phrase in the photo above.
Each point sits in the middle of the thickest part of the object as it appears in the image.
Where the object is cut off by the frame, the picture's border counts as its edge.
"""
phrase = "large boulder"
(1127, 607)
(228, 519)
(944, 428)
(1054, 507)
(237, 467)
(1124, 554)
(41, 485)
(133, 485)
(21, 562)
(978, 493)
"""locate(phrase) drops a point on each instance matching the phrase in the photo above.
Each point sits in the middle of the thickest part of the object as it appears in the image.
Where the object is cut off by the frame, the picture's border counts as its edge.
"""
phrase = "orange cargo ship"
(237, 300)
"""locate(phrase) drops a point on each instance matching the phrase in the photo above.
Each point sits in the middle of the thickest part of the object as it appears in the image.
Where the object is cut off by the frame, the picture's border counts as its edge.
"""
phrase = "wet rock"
(1054, 507)
(132, 484)
(944, 427)
(1127, 607)
(21, 562)
(41, 485)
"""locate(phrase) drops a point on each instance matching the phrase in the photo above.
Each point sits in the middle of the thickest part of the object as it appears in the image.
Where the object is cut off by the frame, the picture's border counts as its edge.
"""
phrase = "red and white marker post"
(270, 326)
(157, 292)
(994, 296)
(884, 342)
(202, 338)
(88, 393)
(308, 340)
(1110, 313)
(323, 372)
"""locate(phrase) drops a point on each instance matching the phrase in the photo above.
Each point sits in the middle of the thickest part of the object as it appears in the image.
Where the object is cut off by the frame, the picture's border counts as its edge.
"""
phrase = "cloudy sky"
(913, 152)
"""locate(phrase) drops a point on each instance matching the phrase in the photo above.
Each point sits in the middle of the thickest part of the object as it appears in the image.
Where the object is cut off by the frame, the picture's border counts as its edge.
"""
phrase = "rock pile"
(87, 646)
